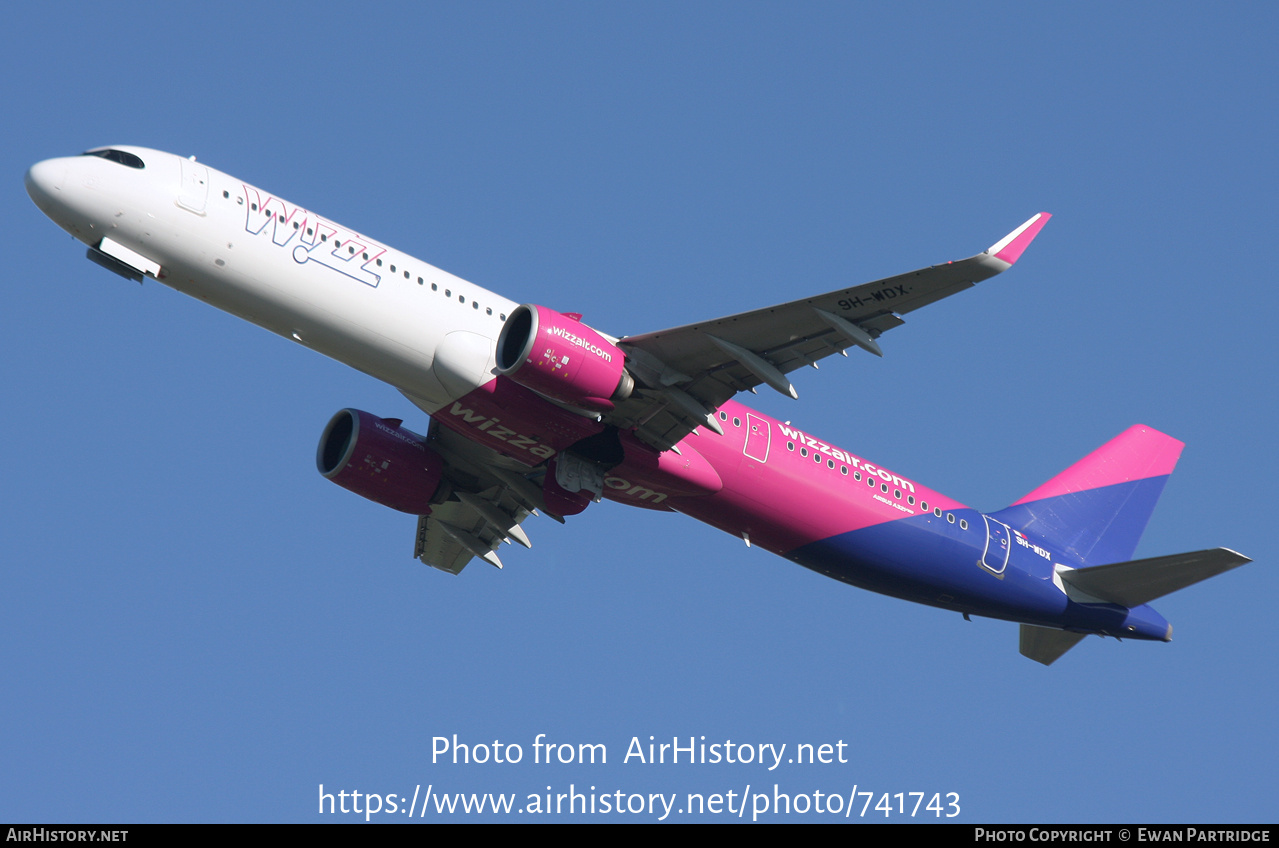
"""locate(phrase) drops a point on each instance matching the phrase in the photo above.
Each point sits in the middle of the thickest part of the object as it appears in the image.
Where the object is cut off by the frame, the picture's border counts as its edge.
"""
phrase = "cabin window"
(803, 451)
(950, 516)
(963, 524)
(843, 469)
(937, 511)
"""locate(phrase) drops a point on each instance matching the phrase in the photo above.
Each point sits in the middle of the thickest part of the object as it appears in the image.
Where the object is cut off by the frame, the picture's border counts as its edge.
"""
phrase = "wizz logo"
(314, 239)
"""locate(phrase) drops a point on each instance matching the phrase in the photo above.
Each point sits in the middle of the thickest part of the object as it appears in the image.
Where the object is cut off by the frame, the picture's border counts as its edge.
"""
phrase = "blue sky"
(198, 627)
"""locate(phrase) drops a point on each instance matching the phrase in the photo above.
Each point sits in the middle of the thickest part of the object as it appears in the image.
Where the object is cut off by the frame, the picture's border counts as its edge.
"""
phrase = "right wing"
(685, 373)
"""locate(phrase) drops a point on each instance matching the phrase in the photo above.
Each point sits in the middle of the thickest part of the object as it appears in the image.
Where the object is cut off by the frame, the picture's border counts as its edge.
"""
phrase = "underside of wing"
(458, 530)
(685, 373)
(487, 499)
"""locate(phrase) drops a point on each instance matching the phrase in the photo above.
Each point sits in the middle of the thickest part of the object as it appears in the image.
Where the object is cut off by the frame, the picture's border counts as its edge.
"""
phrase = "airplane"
(532, 411)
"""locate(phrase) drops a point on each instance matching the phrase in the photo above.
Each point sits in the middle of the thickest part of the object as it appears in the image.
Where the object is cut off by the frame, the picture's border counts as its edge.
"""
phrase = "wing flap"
(487, 499)
(470, 524)
(438, 549)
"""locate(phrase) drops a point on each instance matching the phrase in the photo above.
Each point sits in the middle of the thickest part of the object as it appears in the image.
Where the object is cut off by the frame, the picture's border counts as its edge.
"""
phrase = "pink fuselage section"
(784, 489)
(763, 480)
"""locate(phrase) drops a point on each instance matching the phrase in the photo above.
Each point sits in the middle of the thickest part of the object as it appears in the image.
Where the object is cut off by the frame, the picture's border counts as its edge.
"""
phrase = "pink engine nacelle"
(379, 460)
(556, 355)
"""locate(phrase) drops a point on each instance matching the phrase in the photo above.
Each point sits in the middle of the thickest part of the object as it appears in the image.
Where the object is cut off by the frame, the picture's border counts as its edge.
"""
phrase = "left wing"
(486, 503)
(685, 373)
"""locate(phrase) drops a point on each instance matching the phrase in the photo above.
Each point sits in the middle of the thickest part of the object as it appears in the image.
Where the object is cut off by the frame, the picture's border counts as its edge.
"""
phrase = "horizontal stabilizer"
(1131, 584)
(1045, 645)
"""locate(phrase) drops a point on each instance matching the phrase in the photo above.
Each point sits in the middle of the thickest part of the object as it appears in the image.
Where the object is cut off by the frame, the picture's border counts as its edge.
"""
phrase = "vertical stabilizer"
(1096, 510)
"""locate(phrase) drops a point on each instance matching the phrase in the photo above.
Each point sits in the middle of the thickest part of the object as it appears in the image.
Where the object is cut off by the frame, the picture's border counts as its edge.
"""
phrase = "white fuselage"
(397, 318)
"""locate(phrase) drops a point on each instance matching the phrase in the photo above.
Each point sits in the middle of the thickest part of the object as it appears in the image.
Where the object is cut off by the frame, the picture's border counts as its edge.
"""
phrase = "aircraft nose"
(44, 182)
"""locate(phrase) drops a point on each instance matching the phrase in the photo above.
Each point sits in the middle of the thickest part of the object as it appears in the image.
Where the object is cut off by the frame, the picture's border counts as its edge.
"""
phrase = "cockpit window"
(120, 156)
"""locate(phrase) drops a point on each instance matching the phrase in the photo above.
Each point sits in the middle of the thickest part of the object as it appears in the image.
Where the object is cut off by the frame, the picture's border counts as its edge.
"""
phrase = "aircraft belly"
(925, 560)
(513, 420)
(845, 529)
(216, 261)
(319, 323)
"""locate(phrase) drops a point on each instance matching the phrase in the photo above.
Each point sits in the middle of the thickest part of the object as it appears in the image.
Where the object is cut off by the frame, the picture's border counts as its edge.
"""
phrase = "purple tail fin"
(1095, 511)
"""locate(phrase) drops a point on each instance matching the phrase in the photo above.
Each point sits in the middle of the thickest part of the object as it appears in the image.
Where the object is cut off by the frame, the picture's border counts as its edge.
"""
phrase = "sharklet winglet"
(1011, 246)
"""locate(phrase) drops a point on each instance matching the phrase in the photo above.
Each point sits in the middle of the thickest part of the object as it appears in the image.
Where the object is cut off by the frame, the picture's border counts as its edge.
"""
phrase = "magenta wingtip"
(1011, 246)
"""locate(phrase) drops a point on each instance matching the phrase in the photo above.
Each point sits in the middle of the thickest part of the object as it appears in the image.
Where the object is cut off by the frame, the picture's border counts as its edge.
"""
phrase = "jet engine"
(556, 355)
(378, 459)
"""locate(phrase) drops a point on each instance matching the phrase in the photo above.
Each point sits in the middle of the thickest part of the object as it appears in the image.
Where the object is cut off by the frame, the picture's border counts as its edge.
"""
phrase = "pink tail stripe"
(1135, 454)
